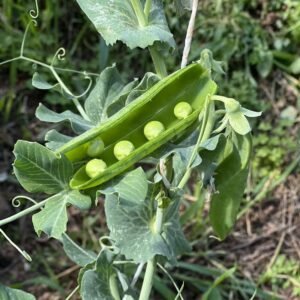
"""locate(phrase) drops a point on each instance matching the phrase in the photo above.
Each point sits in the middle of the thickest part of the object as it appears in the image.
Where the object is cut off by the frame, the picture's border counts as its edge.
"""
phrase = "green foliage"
(242, 87)
(7, 293)
(272, 146)
(230, 181)
(76, 253)
(130, 212)
(39, 169)
(96, 282)
(53, 219)
(121, 21)
(285, 273)
(142, 209)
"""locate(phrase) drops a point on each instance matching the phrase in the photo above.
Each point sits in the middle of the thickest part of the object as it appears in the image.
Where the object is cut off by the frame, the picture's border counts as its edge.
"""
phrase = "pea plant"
(135, 146)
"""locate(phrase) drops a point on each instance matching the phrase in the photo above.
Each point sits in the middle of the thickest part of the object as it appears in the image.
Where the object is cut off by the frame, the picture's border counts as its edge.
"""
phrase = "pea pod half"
(192, 84)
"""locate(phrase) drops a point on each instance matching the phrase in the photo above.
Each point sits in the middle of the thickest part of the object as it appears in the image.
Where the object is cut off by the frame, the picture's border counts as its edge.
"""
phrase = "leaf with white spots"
(116, 20)
(130, 212)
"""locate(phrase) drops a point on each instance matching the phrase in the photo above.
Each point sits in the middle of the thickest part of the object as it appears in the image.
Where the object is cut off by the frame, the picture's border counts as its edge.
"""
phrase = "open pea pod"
(191, 84)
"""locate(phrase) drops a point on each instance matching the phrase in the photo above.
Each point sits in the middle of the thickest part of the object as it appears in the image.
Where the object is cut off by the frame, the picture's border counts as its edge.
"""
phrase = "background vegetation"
(259, 44)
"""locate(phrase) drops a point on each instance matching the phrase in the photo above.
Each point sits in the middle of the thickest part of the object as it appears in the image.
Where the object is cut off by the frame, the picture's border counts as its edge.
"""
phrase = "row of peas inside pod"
(123, 148)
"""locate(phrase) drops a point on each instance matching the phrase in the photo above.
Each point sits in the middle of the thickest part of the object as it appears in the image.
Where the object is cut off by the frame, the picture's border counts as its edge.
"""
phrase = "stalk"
(158, 61)
(151, 264)
(161, 70)
(23, 212)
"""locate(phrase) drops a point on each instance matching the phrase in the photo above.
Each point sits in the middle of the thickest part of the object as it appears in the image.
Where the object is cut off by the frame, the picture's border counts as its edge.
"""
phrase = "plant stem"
(159, 64)
(138, 9)
(158, 61)
(147, 9)
(23, 212)
(137, 274)
(114, 287)
(151, 264)
(148, 280)
(201, 138)
(22, 252)
(161, 71)
(57, 77)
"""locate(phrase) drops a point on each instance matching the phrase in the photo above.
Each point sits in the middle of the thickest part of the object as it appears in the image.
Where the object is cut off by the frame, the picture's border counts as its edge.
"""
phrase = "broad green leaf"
(109, 87)
(95, 283)
(53, 218)
(147, 82)
(78, 124)
(116, 20)
(39, 82)
(181, 160)
(76, 253)
(38, 169)
(211, 143)
(7, 293)
(211, 157)
(230, 182)
(133, 186)
(130, 212)
(181, 154)
(56, 139)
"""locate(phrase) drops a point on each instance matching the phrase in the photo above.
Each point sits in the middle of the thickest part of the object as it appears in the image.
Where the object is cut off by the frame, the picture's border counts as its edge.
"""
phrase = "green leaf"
(230, 182)
(76, 253)
(7, 293)
(56, 139)
(78, 124)
(108, 88)
(133, 186)
(211, 157)
(53, 218)
(38, 169)
(39, 82)
(95, 283)
(180, 162)
(116, 20)
(211, 143)
(146, 83)
(130, 212)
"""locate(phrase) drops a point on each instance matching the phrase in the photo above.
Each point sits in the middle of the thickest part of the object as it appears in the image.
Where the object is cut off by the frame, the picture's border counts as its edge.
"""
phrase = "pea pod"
(192, 84)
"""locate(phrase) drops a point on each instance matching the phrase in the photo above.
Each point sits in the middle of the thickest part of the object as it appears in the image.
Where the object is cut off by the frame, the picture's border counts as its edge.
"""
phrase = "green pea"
(95, 148)
(182, 110)
(95, 167)
(153, 129)
(123, 149)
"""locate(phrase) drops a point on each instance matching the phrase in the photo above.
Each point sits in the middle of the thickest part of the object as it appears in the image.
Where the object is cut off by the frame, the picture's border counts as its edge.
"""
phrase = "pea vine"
(189, 133)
